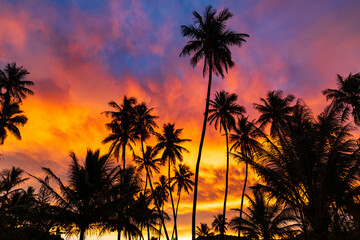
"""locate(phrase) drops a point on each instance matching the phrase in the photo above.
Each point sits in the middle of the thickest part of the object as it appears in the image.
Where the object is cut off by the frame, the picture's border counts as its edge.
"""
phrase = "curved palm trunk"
(199, 154)
(157, 205)
(176, 211)
(226, 179)
(172, 200)
(242, 198)
(146, 183)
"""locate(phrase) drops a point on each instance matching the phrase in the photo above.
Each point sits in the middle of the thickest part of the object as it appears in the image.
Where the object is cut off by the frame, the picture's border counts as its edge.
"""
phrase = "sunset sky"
(83, 54)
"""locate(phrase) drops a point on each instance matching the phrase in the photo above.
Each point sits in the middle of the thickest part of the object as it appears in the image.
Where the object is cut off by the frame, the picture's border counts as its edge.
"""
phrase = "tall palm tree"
(12, 80)
(204, 230)
(182, 180)
(123, 132)
(223, 111)
(170, 142)
(265, 220)
(245, 142)
(80, 202)
(347, 96)
(219, 224)
(210, 40)
(10, 118)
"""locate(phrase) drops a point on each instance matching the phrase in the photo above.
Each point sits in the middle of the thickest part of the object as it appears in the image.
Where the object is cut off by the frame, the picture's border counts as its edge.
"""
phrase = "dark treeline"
(308, 164)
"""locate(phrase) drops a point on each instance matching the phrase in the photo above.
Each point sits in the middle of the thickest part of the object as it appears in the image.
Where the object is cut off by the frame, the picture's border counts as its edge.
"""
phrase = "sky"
(83, 54)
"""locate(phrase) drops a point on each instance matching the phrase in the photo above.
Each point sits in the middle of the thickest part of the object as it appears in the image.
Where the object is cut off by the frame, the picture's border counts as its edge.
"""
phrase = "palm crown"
(12, 80)
(10, 118)
(347, 96)
(211, 40)
(224, 109)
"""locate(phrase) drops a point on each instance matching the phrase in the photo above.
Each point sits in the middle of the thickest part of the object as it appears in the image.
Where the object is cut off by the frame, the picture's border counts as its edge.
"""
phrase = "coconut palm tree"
(182, 180)
(265, 220)
(204, 230)
(245, 143)
(123, 132)
(10, 118)
(170, 142)
(80, 203)
(346, 96)
(223, 112)
(12, 80)
(209, 40)
(219, 224)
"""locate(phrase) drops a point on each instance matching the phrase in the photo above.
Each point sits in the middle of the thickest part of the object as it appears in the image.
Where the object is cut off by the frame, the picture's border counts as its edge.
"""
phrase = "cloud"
(83, 54)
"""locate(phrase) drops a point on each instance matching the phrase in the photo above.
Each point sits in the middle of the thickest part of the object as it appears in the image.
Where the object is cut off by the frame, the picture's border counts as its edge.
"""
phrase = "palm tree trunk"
(123, 155)
(157, 205)
(226, 179)
(176, 211)
(82, 234)
(148, 230)
(172, 200)
(200, 149)
(242, 198)
(146, 183)
(162, 214)
(118, 234)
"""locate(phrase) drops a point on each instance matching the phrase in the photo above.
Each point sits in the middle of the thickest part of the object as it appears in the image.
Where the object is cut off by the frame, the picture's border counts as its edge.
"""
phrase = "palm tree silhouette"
(315, 170)
(244, 141)
(210, 40)
(122, 126)
(204, 230)
(170, 142)
(182, 181)
(223, 110)
(275, 110)
(219, 224)
(12, 80)
(347, 96)
(265, 220)
(80, 203)
(9, 179)
(10, 119)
